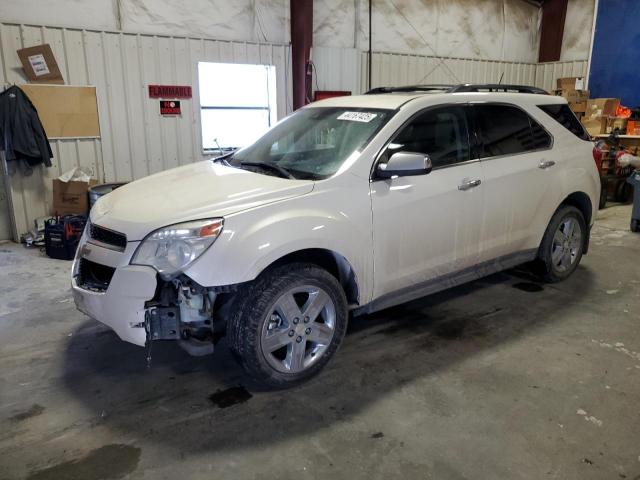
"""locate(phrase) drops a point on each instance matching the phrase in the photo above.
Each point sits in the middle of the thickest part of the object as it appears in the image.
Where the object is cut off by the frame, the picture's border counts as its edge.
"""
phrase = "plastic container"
(634, 180)
(97, 191)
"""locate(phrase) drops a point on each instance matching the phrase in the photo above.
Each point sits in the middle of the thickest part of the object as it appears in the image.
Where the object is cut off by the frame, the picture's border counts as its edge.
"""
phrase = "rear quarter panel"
(578, 172)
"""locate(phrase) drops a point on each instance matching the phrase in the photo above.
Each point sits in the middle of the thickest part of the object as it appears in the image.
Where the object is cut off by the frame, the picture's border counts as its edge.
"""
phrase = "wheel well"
(334, 263)
(581, 201)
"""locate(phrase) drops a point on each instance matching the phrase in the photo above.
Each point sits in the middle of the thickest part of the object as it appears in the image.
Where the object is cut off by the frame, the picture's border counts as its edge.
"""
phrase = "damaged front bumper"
(122, 305)
(137, 305)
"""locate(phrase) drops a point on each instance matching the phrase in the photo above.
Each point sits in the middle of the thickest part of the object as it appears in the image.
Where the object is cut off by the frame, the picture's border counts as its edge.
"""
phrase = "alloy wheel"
(298, 329)
(566, 245)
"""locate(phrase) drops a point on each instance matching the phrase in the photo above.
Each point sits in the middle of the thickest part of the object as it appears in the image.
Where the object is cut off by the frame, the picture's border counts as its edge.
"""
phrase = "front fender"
(253, 240)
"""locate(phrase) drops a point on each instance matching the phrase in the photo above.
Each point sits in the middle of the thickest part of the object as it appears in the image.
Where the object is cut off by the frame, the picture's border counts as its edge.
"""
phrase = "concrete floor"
(501, 378)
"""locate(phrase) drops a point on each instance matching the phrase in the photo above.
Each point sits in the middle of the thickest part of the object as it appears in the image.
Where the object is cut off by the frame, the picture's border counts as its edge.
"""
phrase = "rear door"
(522, 185)
(426, 226)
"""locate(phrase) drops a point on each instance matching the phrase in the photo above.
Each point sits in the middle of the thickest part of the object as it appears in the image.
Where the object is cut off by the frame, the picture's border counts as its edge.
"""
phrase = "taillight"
(598, 157)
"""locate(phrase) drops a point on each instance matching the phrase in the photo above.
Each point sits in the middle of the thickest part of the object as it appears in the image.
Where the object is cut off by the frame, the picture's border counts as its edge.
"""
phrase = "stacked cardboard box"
(572, 88)
(600, 116)
(633, 127)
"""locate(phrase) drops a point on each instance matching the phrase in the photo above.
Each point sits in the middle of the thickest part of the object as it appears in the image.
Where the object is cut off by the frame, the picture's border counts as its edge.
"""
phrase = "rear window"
(562, 114)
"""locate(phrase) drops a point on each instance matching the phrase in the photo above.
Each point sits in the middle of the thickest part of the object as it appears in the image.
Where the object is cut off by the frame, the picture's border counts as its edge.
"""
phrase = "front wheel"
(288, 323)
(563, 243)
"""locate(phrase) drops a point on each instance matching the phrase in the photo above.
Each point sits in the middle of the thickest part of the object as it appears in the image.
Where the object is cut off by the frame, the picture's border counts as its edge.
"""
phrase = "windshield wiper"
(224, 156)
(270, 166)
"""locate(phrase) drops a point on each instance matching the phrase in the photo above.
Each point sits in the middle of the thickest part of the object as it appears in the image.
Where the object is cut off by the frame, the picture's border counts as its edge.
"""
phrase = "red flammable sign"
(169, 91)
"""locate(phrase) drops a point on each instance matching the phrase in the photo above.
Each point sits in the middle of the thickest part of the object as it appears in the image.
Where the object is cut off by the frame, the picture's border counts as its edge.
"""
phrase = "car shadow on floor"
(207, 403)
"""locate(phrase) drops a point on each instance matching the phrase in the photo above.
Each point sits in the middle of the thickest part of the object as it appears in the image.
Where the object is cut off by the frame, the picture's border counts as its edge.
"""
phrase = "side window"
(562, 114)
(441, 133)
(506, 130)
(541, 138)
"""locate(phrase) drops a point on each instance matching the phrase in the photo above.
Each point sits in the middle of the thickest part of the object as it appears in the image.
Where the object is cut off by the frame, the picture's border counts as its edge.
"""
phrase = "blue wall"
(615, 61)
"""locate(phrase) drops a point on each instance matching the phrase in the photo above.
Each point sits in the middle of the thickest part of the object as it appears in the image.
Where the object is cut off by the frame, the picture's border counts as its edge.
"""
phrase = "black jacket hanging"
(21, 133)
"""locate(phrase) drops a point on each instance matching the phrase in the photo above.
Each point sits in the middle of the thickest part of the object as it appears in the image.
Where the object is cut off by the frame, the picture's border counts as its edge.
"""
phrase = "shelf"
(607, 135)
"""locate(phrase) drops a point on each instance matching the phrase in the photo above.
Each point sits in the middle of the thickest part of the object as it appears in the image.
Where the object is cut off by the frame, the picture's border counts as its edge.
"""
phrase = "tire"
(635, 225)
(272, 336)
(562, 244)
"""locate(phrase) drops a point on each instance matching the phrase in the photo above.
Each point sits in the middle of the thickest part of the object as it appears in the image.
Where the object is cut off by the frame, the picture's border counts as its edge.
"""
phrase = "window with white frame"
(237, 103)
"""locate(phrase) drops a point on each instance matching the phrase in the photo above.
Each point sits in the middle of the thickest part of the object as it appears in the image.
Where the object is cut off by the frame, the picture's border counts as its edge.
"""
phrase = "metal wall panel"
(547, 73)
(399, 69)
(336, 69)
(135, 140)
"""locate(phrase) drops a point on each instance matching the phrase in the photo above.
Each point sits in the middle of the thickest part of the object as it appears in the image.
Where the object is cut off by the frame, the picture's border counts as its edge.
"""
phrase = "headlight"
(171, 249)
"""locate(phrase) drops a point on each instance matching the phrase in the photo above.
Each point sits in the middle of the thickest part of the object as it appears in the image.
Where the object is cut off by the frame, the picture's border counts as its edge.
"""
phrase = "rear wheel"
(562, 245)
(288, 324)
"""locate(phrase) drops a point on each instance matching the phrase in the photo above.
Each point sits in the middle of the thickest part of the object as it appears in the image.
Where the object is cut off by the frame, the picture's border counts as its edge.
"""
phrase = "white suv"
(349, 205)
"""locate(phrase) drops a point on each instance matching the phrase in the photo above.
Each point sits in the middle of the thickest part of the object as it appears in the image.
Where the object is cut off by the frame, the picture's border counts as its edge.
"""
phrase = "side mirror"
(403, 164)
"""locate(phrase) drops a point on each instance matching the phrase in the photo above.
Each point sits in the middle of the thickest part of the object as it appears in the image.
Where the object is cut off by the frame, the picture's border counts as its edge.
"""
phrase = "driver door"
(427, 226)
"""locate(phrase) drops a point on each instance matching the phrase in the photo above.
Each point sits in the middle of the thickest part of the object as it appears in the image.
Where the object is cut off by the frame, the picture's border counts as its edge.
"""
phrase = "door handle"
(546, 164)
(469, 184)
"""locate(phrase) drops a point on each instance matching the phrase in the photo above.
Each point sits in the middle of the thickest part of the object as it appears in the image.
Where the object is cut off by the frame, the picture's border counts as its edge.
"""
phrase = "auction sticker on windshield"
(365, 117)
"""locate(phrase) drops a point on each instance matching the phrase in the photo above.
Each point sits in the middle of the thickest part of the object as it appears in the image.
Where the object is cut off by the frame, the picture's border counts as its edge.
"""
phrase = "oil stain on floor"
(230, 396)
(528, 287)
(108, 462)
(33, 411)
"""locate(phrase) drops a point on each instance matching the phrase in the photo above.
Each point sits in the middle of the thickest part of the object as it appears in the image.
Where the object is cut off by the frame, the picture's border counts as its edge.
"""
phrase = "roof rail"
(495, 87)
(463, 87)
(410, 88)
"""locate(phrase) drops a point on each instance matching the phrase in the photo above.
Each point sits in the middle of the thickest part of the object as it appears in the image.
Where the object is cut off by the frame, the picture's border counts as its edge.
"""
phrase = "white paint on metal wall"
(335, 69)
(135, 141)
(397, 69)
(547, 73)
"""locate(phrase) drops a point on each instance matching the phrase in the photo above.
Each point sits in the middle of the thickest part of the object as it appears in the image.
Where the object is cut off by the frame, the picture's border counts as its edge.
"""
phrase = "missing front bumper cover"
(162, 323)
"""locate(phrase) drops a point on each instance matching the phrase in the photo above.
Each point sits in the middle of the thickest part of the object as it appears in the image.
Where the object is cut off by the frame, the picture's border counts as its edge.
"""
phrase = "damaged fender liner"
(184, 311)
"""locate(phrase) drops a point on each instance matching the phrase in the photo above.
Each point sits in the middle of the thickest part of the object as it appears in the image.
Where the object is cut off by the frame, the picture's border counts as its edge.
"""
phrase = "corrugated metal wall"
(347, 69)
(135, 141)
(397, 69)
(547, 73)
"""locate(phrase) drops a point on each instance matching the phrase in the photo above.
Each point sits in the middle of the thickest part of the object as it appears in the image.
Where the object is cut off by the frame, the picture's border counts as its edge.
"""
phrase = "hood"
(196, 191)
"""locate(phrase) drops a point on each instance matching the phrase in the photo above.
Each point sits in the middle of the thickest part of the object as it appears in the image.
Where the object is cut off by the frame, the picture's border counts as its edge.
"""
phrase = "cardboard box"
(633, 127)
(71, 198)
(573, 95)
(595, 125)
(602, 107)
(40, 65)
(578, 107)
(570, 83)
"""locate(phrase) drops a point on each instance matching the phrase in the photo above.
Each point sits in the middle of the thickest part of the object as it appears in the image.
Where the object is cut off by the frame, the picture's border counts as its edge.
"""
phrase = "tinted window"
(440, 133)
(505, 130)
(562, 114)
(541, 138)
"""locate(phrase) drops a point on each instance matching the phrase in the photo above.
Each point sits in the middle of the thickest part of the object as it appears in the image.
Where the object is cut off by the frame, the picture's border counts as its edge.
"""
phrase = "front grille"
(94, 276)
(109, 237)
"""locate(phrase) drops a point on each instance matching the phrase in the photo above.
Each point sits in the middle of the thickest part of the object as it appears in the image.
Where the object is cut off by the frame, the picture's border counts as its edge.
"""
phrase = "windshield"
(313, 143)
